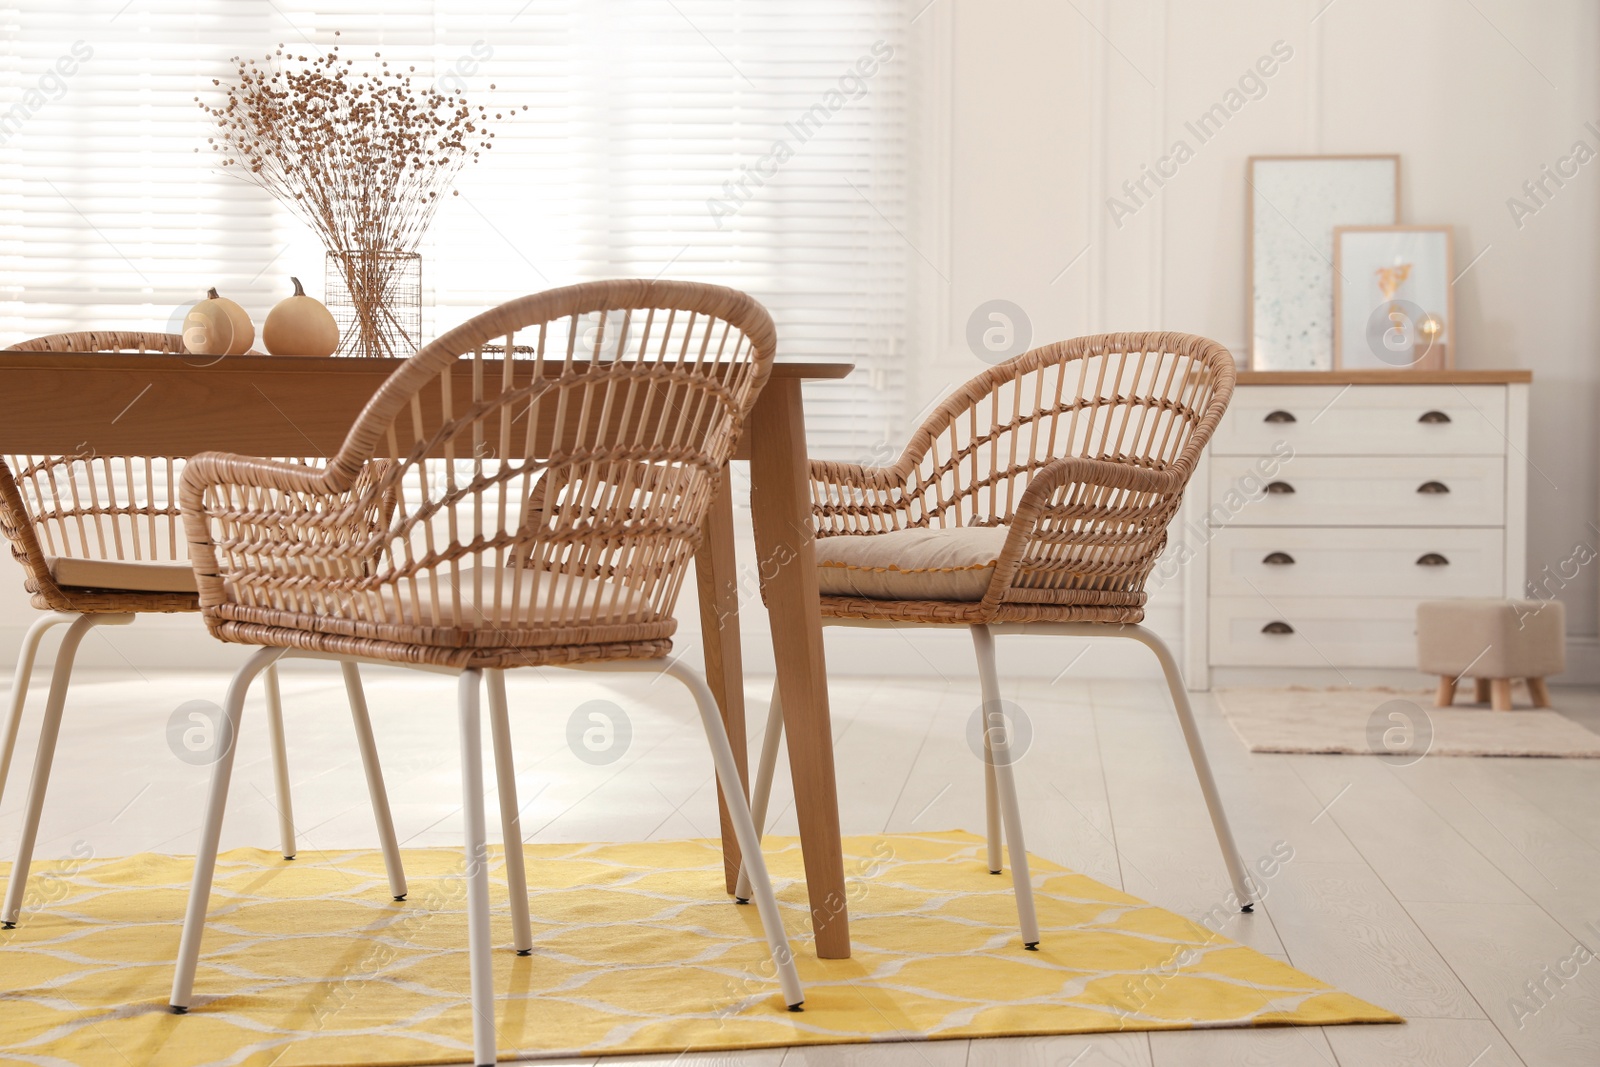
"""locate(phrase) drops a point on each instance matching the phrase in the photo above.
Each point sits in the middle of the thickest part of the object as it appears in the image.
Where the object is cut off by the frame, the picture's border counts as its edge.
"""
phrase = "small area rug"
(637, 950)
(1398, 725)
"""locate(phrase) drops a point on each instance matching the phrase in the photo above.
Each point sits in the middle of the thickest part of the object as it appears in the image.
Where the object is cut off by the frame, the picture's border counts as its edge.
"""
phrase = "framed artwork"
(1393, 304)
(1295, 203)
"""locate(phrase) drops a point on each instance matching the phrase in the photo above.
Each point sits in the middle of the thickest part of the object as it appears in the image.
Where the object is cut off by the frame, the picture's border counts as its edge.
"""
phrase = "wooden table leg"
(717, 578)
(785, 550)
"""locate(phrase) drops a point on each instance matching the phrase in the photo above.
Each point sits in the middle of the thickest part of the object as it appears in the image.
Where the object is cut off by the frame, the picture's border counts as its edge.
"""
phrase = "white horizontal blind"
(762, 144)
(108, 216)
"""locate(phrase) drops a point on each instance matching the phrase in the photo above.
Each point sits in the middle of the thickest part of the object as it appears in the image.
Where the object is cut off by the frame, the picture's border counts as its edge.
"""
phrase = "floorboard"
(1303, 1046)
(1512, 959)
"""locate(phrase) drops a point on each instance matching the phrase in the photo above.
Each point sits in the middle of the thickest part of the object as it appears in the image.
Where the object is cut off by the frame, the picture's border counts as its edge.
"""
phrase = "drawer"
(1359, 491)
(1326, 631)
(1421, 564)
(1365, 420)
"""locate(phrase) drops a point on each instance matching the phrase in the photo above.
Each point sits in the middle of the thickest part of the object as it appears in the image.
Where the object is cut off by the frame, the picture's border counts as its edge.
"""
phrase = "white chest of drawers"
(1327, 505)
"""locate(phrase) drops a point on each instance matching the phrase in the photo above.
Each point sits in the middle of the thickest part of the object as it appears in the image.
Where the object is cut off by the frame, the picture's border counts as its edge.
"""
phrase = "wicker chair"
(1035, 500)
(99, 541)
(544, 517)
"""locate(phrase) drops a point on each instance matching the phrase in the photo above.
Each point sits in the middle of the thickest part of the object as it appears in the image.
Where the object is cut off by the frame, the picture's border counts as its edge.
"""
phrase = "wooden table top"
(66, 403)
(256, 363)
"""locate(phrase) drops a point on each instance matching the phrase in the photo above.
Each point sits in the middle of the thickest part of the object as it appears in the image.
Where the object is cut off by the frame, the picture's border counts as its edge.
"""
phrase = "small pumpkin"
(300, 326)
(216, 326)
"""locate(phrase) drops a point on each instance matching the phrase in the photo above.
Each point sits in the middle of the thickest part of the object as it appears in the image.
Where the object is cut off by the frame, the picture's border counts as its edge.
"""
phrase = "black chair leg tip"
(798, 1007)
(524, 951)
(177, 1010)
(1032, 946)
(1248, 908)
(741, 900)
(8, 926)
(288, 857)
(995, 872)
(399, 898)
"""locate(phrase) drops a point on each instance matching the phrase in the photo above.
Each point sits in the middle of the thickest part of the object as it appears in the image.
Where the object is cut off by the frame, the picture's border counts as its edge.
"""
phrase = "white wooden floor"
(1439, 890)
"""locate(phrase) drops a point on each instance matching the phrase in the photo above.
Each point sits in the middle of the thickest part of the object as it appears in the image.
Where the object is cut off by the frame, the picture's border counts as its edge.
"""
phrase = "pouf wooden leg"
(1500, 694)
(1480, 690)
(1537, 690)
(1447, 692)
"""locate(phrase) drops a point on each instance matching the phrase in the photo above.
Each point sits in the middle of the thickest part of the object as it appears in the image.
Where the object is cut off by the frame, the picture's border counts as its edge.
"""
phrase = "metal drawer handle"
(1433, 416)
(1283, 416)
(1428, 487)
(1279, 488)
(1278, 559)
(1277, 628)
(1432, 559)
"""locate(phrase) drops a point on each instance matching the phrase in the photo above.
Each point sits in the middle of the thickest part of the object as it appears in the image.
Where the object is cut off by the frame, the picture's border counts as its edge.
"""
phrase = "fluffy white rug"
(1399, 726)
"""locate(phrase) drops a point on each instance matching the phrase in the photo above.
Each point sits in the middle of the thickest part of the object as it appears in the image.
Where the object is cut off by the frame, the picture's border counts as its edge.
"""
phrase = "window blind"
(762, 144)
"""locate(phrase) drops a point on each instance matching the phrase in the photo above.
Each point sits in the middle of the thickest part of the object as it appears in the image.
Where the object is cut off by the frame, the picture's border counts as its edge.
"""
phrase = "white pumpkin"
(217, 326)
(300, 326)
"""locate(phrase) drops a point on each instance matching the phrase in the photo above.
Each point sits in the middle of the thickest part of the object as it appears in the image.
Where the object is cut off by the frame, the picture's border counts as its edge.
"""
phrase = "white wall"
(1049, 107)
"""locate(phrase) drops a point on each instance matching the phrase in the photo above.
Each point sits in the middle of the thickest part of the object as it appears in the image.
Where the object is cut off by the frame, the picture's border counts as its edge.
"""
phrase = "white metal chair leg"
(505, 776)
(477, 870)
(44, 757)
(205, 861)
(744, 829)
(19, 685)
(376, 791)
(1202, 766)
(280, 762)
(766, 767)
(991, 803)
(1005, 780)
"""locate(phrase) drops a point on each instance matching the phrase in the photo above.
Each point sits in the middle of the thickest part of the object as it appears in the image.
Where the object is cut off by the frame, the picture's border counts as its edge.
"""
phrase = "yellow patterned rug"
(637, 950)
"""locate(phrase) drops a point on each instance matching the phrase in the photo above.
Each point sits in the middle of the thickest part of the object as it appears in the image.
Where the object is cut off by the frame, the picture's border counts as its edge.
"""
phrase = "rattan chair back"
(553, 504)
(1082, 447)
(94, 507)
(1148, 400)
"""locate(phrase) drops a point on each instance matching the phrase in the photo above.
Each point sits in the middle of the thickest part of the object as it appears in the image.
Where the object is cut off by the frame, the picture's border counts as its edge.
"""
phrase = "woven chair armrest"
(207, 469)
(1110, 473)
(1131, 490)
(323, 500)
(852, 498)
(855, 476)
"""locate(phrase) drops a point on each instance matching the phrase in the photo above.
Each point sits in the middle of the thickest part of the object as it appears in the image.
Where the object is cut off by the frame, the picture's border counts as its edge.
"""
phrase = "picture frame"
(1393, 301)
(1294, 203)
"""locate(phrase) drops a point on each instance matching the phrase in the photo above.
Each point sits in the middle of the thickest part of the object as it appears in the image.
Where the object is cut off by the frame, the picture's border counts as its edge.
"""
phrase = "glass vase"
(376, 298)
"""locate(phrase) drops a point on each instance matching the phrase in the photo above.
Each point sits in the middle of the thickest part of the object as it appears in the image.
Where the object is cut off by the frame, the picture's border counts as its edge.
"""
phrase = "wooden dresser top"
(1384, 377)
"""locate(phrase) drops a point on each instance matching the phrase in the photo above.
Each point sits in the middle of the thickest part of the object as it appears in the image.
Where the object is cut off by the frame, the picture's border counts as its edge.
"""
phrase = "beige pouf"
(1492, 642)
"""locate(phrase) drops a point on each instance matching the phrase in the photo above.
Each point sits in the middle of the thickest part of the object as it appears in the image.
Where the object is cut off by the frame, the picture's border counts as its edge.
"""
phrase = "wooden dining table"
(168, 405)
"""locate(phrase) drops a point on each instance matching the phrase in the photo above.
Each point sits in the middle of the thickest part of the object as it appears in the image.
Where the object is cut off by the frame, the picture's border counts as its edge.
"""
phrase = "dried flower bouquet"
(361, 154)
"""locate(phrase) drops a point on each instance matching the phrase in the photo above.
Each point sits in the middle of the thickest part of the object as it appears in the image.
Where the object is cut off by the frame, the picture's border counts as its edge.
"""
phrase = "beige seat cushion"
(122, 575)
(576, 600)
(915, 564)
